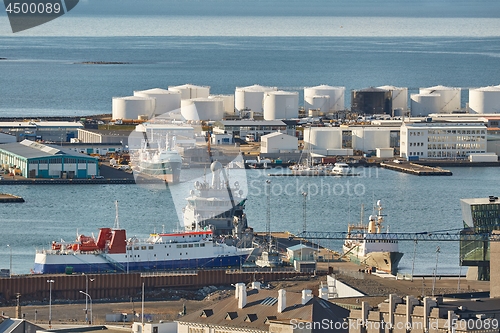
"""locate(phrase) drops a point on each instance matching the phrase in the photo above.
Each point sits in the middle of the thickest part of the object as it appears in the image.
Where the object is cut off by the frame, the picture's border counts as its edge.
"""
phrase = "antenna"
(117, 220)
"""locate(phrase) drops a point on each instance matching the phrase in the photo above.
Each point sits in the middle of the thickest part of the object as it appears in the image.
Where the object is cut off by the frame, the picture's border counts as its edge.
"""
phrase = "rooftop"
(32, 149)
(262, 308)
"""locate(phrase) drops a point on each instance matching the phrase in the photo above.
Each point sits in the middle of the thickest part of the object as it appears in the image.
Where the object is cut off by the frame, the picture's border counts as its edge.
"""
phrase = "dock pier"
(416, 169)
(6, 198)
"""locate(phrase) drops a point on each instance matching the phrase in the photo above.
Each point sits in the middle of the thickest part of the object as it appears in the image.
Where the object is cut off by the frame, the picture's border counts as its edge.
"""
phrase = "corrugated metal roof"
(31, 149)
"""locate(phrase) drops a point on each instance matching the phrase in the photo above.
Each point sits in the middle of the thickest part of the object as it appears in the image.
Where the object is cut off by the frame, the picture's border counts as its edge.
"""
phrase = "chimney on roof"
(323, 293)
(307, 295)
(256, 285)
(237, 289)
(281, 300)
(242, 296)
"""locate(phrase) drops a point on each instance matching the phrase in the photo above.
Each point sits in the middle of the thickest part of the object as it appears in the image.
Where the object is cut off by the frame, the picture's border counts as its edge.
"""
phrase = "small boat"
(269, 258)
(343, 169)
(366, 245)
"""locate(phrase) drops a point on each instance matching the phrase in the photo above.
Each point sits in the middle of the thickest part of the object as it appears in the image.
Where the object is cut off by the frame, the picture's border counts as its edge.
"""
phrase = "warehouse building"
(35, 160)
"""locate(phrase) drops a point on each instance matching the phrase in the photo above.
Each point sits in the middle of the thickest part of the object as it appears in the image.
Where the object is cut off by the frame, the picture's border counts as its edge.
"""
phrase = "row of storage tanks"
(196, 103)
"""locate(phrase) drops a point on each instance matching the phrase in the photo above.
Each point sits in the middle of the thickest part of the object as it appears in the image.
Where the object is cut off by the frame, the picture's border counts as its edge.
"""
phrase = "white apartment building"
(442, 140)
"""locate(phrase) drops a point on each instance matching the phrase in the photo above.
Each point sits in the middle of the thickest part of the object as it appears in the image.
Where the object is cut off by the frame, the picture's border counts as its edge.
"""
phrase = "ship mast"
(117, 220)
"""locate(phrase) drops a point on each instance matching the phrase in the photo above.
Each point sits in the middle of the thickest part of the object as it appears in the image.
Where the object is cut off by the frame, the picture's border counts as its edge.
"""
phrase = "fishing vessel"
(343, 169)
(367, 245)
(163, 162)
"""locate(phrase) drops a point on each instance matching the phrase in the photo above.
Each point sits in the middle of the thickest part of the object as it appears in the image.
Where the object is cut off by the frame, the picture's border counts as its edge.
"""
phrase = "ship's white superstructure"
(368, 246)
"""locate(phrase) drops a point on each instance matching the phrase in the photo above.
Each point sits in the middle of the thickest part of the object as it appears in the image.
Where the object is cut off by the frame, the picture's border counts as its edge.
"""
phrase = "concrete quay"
(6, 198)
(416, 169)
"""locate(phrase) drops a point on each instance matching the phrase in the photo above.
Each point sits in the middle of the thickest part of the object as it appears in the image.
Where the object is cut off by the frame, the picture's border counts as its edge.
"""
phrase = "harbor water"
(411, 204)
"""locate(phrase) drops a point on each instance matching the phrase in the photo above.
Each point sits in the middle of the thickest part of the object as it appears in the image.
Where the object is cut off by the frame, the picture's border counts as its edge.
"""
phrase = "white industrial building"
(166, 100)
(49, 131)
(325, 98)
(484, 100)
(202, 108)
(329, 141)
(189, 91)
(228, 102)
(442, 140)
(399, 99)
(133, 107)
(251, 97)
(437, 99)
(256, 128)
(368, 138)
(281, 105)
(278, 143)
(36, 160)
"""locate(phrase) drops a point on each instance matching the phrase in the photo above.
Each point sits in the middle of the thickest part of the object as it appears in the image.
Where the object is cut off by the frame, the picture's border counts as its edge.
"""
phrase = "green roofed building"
(36, 160)
(480, 216)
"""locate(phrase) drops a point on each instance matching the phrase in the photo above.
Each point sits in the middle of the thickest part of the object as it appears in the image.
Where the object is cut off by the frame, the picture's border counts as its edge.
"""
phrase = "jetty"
(416, 169)
(6, 198)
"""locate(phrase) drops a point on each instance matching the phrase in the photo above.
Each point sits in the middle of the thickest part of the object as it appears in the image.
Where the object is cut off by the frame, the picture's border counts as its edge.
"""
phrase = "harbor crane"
(443, 236)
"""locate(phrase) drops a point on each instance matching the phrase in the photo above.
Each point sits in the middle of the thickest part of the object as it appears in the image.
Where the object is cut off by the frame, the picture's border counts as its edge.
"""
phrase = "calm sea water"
(412, 204)
(288, 44)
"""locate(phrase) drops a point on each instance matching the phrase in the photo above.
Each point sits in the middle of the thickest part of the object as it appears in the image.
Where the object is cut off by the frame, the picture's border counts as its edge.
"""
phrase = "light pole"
(87, 291)
(50, 282)
(10, 267)
(438, 249)
(87, 295)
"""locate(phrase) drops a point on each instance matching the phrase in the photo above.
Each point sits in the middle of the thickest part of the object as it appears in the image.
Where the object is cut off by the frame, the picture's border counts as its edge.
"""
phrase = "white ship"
(219, 206)
(162, 162)
(343, 169)
(112, 252)
(368, 246)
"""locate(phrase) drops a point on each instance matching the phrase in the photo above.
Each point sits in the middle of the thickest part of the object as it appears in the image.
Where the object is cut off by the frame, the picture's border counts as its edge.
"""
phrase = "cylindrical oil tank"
(202, 108)
(131, 107)
(484, 100)
(228, 102)
(449, 100)
(251, 97)
(321, 103)
(337, 97)
(189, 91)
(399, 97)
(424, 104)
(166, 100)
(281, 105)
(323, 138)
(371, 101)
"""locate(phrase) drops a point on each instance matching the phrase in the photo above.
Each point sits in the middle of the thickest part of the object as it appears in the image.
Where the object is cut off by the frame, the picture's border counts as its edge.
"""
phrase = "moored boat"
(366, 245)
(113, 252)
(343, 169)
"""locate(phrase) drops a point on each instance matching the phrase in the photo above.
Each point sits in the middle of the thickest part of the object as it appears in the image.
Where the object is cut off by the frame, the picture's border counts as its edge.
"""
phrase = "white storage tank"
(281, 105)
(399, 97)
(321, 103)
(202, 109)
(228, 101)
(336, 94)
(189, 91)
(166, 100)
(450, 98)
(251, 97)
(131, 107)
(484, 100)
(423, 104)
(323, 138)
